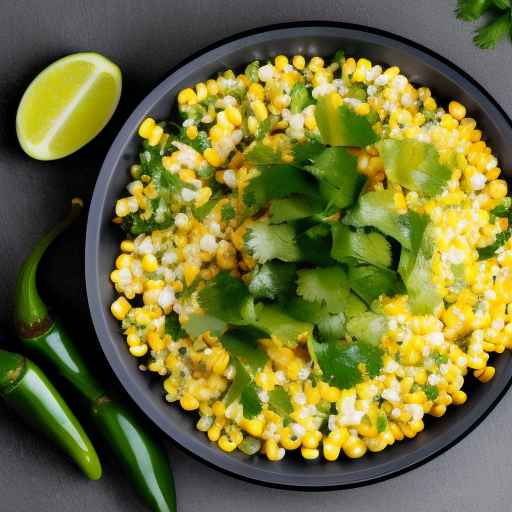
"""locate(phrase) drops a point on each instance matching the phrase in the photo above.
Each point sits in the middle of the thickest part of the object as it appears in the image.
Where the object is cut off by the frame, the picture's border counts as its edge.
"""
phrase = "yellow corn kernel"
(288, 440)
(120, 308)
(253, 427)
(217, 133)
(212, 157)
(392, 72)
(309, 453)
(226, 445)
(114, 276)
(311, 439)
(315, 64)
(457, 110)
(156, 135)
(177, 286)
(362, 109)
(259, 109)
(187, 175)
(189, 403)
(214, 432)
(192, 131)
(272, 450)
(133, 340)
(190, 272)
(438, 410)
(430, 104)
(233, 115)
(203, 196)
(219, 409)
(149, 263)
(339, 436)
(310, 122)
(331, 450)
(187, 97)
(485, 374)
(280, 62)
(213, 88)
(252, 125)
(459, 397)
(127, 246)
(497, 189)
(312, 394)
(155, 341)
(354, 448)
(257, 91)
(201, 91)
(376, 444)
(139, 350)
(330, 393)
(299, 62)
(146, 127)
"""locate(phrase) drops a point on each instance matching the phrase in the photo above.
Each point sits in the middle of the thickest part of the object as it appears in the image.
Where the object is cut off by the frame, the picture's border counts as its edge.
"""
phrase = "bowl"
(421, 66)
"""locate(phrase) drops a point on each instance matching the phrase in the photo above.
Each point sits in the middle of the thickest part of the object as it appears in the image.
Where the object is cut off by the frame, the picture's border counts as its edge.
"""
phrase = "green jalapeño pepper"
(26, 390)
(142, 457)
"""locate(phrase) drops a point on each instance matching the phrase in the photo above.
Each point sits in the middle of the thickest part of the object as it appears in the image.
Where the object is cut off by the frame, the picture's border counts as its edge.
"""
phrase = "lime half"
(67, 105)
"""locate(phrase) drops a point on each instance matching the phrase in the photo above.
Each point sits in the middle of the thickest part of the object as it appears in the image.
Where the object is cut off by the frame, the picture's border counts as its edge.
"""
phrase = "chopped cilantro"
(337, 168)
(328, 285)
(173, 327)
(503, 209)
(382, 423)
(341, 126)
(372, 248)
(415, 165)
(266, 242)
(279, 402)
(440, 359)
(370, 282)
(260, 153)
(227, 213)
(431, 391)
(199, 324)
(243, 388)
(300, 98)
(304, 152)
(331, 326)
(368, 327)
(346, 364)
(251, 71)
(223, 298)
(294, 208)
(272, 279)
(484, 253)
(250, 401)
(242, 342)
(200, 143)
(275, 182)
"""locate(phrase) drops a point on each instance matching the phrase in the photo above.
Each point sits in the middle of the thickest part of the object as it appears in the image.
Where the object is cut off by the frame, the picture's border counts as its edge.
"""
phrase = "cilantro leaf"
(471, 10)
(250, 401)
(368, 327)
(199, 324)
(341, 126)
(382, 423)
(354, 306)
(227, 213)
(223, 298)
(306, 151)
(279, 402)
(260, 153)
(200, 143)
(484, 253)
(377, 210)
(294, 208)
(431, 391)
(503, 209)
(488, 36)
(315, 250)
(275, 182)
(266, 242)
(372, 248)
(342, 363)
(272, 279)
(328, 285)
(338, 168)
(242, 342)
(300, 98)
(173, 327)
(370, 282)
(331, 326)
(415, 165)
(274, 321)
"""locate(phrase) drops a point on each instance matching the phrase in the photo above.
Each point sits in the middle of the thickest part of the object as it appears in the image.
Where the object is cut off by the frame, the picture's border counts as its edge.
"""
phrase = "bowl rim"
(219, 460)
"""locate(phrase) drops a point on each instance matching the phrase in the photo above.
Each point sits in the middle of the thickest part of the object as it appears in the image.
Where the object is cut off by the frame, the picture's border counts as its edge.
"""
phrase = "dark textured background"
(146, 38)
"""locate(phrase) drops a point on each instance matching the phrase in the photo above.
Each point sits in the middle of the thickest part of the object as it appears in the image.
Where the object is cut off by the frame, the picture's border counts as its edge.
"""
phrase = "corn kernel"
(120, 308)
(233, 115)
(213, 88)
(156, 135)
(457, 110)
(430, 104)
(139, 350)
(155, 341)
(226, 445)
(189, 403)
(315, 64)
(498, 189)
(331, 451)
(354, 448)
(187, 96)
(190, 272)
(201, 91)
(485, 374)
(259, 109)
(149, 263)
(146, 127)
(252, 124)
(280, 62)
(127, 246)
(309, 453)
(311, 439)
(362, 109)
(299, 62)
(257, 91)
(203, 196)
(192, 132)
(253, 427)
(212, 157)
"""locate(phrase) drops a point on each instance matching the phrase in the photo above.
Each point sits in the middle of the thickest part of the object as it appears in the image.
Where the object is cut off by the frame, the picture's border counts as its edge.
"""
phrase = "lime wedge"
(67, 105)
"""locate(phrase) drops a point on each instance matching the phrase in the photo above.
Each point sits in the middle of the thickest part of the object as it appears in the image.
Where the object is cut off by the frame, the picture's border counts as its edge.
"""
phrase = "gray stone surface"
(146, 38)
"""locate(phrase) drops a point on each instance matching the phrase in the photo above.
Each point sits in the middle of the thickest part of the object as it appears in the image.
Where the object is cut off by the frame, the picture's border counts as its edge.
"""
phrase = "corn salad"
(188, 223)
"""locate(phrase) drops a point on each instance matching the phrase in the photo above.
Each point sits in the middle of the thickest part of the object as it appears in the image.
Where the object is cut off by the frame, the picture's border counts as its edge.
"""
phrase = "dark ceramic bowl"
(421, 66)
